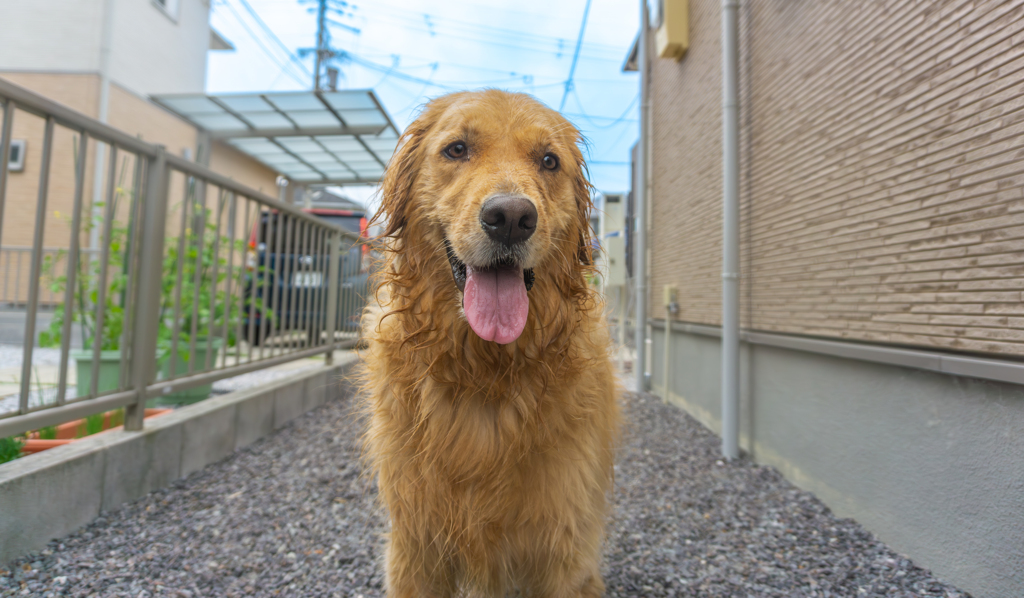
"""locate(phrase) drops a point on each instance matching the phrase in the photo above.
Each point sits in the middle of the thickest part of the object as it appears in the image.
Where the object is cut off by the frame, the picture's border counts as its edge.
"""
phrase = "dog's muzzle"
(459, 269)
(494, 297)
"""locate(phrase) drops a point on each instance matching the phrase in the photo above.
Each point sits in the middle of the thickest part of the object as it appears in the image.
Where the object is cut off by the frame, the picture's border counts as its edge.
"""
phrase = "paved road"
(12, 326)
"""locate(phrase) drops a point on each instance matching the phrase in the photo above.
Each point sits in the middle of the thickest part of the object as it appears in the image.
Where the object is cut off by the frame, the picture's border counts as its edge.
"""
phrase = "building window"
(169, 7)
(16, 161)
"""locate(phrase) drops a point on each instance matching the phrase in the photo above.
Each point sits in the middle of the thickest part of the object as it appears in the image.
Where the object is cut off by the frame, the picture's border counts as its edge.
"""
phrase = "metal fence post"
(333, 282)
(32, 306)
(147, 313)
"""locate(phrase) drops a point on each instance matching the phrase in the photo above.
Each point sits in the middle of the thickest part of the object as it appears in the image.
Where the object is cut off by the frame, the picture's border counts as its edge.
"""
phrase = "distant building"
(324, 198)
(140, 66)
(146, 47)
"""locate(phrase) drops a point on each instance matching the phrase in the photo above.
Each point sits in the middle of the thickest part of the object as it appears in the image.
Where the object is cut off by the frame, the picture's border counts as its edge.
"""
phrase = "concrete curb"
(53, 493)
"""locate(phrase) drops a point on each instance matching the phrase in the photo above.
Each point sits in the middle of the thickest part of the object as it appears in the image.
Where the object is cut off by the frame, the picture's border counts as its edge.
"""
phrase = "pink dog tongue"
(496, 304)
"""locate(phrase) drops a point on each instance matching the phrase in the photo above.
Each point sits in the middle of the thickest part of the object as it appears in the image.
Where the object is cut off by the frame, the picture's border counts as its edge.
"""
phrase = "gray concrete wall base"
(51, 494)
(929, 462)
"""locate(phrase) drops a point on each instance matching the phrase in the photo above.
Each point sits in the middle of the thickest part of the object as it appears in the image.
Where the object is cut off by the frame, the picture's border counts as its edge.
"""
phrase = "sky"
(409, 51)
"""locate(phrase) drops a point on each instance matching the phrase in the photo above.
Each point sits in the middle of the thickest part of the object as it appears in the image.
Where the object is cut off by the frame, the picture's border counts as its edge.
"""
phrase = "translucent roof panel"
(267, 120)
(334, 137)
(356, 118)
(313, 118)
(295, 101)
(349, 100)
(219, 122)
(339, 143)
(245, 103)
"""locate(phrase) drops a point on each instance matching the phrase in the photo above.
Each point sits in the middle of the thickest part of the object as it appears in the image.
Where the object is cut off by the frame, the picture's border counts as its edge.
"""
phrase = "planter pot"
(74, 430)
(109, 373)
(192, 395)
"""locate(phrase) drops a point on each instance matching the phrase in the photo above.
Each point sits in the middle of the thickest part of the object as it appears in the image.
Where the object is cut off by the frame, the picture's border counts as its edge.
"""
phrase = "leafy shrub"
(10, 448)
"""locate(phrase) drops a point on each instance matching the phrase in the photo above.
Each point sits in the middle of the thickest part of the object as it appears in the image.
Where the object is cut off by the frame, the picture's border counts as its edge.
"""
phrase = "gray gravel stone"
(293, 515)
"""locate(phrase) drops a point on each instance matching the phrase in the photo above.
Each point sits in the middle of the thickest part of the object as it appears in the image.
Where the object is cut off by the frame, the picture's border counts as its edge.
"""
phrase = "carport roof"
(337, 137)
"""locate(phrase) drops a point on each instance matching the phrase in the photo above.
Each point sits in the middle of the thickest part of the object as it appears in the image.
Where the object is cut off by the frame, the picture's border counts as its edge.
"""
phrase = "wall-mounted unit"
(673, 36)
(16, 157)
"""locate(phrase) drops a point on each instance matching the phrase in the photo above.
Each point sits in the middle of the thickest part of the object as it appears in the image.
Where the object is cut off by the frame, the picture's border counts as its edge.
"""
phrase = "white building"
(145, 46)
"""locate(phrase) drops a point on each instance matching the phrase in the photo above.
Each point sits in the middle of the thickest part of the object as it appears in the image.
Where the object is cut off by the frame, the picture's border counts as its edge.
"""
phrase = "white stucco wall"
(151, 52)
(50, 35)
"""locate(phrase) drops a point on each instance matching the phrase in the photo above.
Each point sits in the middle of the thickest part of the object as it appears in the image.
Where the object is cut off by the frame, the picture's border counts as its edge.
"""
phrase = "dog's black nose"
(509, 219)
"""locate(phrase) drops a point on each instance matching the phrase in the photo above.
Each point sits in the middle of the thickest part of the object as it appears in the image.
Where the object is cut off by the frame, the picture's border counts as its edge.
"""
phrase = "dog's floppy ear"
(399, 180)
(397, 186)
(584, 204)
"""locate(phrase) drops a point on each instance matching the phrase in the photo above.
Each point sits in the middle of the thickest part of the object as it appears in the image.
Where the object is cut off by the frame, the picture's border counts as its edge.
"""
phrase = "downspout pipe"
(106, 41)
(730, 230)
(640, 210)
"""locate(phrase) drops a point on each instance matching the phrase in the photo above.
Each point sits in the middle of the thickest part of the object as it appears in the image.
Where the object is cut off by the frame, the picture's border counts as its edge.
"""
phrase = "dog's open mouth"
(494, 298)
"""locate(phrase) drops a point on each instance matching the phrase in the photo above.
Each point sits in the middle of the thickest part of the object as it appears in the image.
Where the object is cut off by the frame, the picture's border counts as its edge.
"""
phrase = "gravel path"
(293, 516)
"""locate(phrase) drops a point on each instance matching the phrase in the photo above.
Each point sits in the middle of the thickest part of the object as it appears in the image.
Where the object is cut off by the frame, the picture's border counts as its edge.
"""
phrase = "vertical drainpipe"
(730, 230)
(640, 211)
(106, 40)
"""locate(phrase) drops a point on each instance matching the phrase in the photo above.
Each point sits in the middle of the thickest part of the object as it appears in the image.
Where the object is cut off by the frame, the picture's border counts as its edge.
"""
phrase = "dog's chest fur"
(473, 465)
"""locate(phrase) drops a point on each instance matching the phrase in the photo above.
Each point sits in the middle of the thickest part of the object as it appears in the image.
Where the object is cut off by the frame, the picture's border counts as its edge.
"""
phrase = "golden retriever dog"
(492, 399)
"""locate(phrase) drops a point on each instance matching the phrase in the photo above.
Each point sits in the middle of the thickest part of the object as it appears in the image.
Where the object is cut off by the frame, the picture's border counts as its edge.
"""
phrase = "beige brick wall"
(686, 214)
(882, 162)
(230, 162)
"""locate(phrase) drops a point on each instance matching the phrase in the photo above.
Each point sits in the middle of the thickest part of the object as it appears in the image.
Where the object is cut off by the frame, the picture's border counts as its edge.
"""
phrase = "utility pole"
(321, 41)
(323, 51)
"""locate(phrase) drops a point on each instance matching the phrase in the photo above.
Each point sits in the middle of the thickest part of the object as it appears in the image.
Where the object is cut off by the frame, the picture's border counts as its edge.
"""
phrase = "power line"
(263, 46)
(621, 117)
(575, 56)
(397, 13)
(291, 55)
(392, 71)
(542, 45)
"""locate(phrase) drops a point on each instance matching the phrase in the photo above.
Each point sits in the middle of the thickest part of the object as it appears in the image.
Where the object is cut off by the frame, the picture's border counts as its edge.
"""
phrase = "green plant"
(48, 433)
(89, 279)
(93, 424)
(204, 306)
(10, 448)
(191, 284)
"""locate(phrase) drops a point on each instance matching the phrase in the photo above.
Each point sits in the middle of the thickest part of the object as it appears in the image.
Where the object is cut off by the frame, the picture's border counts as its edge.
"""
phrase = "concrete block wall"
(928, 462)
(53, 493)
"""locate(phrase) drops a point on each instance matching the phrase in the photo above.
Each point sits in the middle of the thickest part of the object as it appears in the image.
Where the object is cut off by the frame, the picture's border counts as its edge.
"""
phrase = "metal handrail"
(253, 297)
(43, 107)
(198, 171)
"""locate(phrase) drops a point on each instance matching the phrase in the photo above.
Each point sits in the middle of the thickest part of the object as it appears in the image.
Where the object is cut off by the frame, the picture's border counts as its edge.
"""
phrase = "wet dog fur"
(493, 461)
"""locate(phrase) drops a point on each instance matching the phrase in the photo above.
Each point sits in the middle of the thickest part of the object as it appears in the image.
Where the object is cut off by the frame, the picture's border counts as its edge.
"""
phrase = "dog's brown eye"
(550, 161)
(456, 150)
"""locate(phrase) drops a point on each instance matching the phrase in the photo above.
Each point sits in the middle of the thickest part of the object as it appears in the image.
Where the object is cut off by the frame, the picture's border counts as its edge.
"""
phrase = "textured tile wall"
(882, 168)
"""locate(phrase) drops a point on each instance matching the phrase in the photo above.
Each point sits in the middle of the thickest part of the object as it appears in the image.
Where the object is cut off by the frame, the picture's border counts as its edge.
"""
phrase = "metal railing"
(191, 277)
(14, 274)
